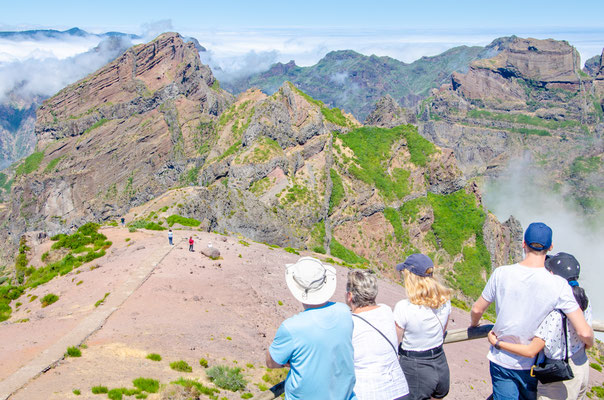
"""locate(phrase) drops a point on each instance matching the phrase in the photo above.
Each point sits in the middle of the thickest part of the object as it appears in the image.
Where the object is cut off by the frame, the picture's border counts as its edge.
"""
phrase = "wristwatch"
(496, 345)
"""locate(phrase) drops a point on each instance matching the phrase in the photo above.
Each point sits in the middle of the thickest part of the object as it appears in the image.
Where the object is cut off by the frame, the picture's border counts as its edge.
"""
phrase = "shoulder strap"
(380, 332)
(565, 331)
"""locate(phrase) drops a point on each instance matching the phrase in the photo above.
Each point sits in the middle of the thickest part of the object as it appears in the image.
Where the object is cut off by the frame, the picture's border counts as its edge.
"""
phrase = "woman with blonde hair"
(378, 373)
(421, 322)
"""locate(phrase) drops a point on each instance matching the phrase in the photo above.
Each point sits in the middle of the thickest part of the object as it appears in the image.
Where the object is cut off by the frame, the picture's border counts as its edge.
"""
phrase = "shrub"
(247, 395)
(49, 299)
(200, 387)
(177, 219)
(181, 366)
(101, 301)
(274, 376)
(77, 392)
(146, 384)
(73, 351)
(596, 366)
(99, 389)
(154, 357)
(203, 362)
(227, 378)
(291, 250)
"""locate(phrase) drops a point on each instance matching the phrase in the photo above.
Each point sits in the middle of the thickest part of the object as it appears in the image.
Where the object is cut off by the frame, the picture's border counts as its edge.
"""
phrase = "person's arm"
(525, 350)
(479, 307)
(270, 363)
(400, 332)
(584, 331)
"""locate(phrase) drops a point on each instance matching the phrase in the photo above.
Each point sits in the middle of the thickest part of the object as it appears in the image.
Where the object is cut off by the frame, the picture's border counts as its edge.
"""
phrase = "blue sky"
(130, 15)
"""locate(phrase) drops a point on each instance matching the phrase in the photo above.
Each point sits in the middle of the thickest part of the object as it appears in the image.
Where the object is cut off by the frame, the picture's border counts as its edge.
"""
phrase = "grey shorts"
(426, 377)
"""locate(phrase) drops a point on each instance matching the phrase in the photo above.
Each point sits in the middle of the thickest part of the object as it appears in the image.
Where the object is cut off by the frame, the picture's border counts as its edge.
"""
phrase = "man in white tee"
(524, 294)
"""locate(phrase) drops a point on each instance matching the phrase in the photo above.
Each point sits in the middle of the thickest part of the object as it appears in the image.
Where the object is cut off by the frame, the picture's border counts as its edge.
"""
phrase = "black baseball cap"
(418, 264)
(564, 265)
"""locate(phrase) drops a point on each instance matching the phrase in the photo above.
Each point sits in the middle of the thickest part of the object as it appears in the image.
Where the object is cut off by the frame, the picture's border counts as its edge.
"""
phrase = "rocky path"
(49, 357)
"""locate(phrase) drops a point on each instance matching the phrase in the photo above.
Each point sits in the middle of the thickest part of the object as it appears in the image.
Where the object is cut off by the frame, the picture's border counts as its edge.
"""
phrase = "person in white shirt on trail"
(524, 294)
(549, 339)
(422, 321)
(378, 373)
(170, 237)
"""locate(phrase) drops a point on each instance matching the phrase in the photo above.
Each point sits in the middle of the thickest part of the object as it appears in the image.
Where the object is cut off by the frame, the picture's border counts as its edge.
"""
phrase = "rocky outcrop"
(592, 66)
(117, 138)
(388, 114)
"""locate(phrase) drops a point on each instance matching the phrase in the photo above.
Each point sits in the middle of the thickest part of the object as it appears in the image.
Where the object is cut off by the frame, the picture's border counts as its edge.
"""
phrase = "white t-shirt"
(551, 332)
(423, 325)
(523, 297)
(378, 372)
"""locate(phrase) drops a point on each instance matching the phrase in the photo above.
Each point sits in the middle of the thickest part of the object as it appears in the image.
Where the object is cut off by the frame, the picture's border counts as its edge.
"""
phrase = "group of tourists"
(364, 350)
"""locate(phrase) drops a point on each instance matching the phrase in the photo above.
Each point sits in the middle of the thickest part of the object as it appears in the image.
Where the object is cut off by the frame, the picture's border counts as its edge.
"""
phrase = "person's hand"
(492, 338)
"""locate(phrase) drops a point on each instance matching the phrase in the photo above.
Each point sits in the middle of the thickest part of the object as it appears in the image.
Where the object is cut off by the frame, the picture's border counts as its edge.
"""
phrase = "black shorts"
(426, 377)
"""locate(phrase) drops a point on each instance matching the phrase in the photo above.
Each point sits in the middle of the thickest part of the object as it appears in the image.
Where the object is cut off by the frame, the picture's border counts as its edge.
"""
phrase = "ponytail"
(581, 297)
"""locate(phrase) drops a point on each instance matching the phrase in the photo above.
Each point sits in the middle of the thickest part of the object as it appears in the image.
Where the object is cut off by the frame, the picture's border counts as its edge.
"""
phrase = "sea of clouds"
(43, 65)
(516, 193)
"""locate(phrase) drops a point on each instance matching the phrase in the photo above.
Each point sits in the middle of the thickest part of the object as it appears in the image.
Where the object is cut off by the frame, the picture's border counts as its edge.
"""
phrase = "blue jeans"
(512, 384)
(170, 240)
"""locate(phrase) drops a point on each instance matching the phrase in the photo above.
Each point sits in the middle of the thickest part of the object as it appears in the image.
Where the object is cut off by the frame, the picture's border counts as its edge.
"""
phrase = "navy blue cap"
(564, 265)
(418, 264)
(538, 236)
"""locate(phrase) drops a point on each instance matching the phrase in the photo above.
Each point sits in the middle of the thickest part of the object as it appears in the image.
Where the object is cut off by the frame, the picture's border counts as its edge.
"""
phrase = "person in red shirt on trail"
(191, 243)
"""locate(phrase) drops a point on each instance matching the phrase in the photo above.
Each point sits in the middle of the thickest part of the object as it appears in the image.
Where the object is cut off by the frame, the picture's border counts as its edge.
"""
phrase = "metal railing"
(453, 336)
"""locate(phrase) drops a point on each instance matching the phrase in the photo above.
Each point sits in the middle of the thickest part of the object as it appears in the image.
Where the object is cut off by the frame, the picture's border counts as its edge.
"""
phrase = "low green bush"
(178, 219)
(181, 366)
(227, 378)
(77, 392)
(99, 389)
(146, 384)
(49, 299)
(154, 357)
(73, 351)
(203, 362)
(200, 387)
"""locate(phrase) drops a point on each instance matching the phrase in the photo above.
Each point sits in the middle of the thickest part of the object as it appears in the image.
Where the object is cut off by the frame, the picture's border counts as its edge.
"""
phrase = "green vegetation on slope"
(522, 119)
(372, 148)
(5, 183)
(337, 190)
(178, 219)
(30, 164)
(333, 115)
(338, 250)
(457, 218)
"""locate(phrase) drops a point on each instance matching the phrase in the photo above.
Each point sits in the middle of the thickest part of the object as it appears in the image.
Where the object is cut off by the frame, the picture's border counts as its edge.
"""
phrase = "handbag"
(550, 370)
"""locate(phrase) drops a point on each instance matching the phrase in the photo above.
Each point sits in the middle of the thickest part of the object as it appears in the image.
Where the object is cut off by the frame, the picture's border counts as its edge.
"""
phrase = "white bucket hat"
(310, 281)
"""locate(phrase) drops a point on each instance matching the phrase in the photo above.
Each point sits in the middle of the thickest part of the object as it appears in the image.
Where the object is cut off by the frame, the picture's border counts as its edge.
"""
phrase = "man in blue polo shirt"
(317, 343)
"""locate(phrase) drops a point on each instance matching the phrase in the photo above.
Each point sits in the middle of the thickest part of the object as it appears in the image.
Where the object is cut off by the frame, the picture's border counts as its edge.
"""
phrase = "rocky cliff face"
(115, 139)
(531, 100)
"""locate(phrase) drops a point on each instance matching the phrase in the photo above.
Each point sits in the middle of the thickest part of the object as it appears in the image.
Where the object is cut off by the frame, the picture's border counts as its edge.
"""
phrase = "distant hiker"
(378, 373)
(170, 237)
(422, 320)
(123, 221)
(550, 337)
(191, 241)
(524, 294)
(316, 343)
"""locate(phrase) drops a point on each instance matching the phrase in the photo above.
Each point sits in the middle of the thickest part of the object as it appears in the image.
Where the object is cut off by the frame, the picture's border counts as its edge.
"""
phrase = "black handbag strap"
(565, 330)
(380, 332)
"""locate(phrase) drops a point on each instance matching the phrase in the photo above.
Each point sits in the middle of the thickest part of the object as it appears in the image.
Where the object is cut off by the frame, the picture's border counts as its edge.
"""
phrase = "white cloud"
(516, 193)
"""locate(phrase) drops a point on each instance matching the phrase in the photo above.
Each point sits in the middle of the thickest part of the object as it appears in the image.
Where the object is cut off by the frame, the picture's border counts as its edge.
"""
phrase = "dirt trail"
(190, 307)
